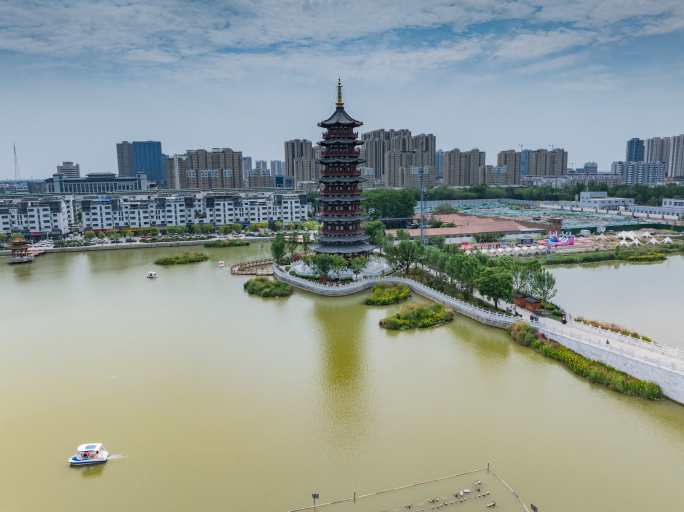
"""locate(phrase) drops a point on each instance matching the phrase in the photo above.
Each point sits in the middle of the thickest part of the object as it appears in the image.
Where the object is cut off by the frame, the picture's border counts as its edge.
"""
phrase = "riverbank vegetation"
(225, 243)
(384, 295)
(414, 316)
(182, 259)
(644, 255)
(461, 275)
(593, 371)
(268, 288)
(614, 328)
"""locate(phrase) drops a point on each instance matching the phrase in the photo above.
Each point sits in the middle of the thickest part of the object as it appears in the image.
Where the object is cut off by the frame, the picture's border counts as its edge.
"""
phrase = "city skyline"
(484, 75)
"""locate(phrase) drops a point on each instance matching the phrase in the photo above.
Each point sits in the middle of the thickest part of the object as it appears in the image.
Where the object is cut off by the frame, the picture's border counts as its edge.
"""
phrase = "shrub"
(383, 295)
(614, 328)
(414, 316)
(594, 371)
(264, 287)
(182, 259)
(225, 243)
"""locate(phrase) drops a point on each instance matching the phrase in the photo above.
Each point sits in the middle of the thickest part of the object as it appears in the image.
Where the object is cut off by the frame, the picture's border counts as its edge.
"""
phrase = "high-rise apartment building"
(301, 161)
(439, 164)
(392, 153)
(510, 159)
(670, 151)
(544, 163)
(464, 168)
(246, 165)
(69, 170)
(635, 150)
(277, 167)
(657, 149)
(261, 165)
(640, 173)
(218, 168)
(675, 162)
(141, 157)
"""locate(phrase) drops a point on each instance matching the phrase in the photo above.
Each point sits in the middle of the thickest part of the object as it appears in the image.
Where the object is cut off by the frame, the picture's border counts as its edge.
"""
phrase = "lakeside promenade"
(661, 364)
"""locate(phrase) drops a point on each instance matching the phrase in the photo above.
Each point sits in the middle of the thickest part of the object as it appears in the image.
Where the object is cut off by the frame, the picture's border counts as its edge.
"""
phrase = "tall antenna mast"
(16, 162)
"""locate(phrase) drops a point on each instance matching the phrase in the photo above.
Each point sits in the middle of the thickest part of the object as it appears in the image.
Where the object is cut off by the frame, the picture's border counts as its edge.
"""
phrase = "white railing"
(642, 354)
(477, 313)
(665, 350)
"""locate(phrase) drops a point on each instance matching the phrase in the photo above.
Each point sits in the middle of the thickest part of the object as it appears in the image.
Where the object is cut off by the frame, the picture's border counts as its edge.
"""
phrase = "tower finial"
(339, 103)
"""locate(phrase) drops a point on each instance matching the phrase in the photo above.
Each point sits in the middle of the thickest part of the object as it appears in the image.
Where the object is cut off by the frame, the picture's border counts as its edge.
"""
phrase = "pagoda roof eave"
(340, 118)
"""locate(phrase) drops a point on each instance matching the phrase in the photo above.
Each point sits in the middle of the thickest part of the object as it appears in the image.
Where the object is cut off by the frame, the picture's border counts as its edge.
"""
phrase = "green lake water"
(214, 400)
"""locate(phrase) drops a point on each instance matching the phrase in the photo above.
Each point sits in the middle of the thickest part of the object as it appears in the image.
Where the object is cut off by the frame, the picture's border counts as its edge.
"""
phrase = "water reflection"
(483, 339)
(343, 365)
(92, 471)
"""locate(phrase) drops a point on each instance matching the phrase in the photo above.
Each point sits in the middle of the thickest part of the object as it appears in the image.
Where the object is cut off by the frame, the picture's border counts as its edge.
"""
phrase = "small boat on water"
(152, 275)
(221, 264)
(89, 454)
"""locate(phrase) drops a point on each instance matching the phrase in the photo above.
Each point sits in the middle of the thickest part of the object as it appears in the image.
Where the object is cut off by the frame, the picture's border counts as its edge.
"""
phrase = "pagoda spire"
(340, 102)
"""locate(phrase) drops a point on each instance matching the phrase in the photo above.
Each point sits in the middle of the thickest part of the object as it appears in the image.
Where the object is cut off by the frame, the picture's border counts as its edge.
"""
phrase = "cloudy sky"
(79, 75)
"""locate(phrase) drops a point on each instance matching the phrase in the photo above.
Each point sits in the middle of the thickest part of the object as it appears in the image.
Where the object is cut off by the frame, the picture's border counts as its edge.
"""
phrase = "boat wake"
(117, 456)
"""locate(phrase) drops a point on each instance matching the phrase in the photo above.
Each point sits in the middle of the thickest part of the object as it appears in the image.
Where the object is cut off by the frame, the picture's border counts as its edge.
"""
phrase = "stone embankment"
(647, 361)
(140, 245)
(253, 268)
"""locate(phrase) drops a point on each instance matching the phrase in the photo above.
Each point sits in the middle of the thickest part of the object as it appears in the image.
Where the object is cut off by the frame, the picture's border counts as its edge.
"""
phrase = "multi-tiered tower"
(340, 202)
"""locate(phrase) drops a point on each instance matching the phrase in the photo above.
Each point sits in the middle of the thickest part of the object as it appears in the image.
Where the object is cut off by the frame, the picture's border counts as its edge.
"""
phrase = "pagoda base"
(358, 248)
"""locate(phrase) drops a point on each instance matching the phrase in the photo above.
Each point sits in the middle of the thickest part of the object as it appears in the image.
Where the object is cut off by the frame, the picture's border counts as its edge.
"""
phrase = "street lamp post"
(421, 173)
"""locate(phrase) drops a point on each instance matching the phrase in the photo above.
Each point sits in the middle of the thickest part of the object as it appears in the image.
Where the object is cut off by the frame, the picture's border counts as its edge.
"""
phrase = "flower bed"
(383, 295)
(414, 316)
(225, 243)
(594, 371)
(268, 288)
(614, 328)
(182, 259)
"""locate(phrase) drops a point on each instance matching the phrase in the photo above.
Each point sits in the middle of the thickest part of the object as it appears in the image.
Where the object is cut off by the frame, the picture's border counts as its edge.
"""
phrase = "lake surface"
(215, 400)
(647, 298)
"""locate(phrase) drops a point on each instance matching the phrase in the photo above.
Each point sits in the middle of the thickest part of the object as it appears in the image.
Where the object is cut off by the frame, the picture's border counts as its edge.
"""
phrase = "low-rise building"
(640, 173)
(96, 183)
(107, 212)
(36, 216)
(601, 201)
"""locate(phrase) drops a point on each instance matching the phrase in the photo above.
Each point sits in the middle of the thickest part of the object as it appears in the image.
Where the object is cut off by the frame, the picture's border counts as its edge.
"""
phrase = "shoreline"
(142, 245)
(657, 364)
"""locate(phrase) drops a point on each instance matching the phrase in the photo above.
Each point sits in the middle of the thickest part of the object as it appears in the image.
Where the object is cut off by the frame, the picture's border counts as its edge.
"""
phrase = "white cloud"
(530, 45)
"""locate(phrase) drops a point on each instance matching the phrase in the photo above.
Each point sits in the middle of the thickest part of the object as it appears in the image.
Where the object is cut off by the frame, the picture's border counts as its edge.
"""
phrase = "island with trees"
(182, 259)
(415, 316)
(267, 288)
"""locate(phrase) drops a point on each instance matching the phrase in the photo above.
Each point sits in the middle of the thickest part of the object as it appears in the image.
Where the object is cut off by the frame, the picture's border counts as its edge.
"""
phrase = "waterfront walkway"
(661, 364)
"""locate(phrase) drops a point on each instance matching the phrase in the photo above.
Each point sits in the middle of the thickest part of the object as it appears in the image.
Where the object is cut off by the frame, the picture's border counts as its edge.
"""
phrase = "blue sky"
(78, 76)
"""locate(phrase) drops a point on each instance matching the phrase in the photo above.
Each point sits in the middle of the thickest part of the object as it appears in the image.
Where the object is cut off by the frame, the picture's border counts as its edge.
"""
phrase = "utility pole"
(420, 173)
(16, 162)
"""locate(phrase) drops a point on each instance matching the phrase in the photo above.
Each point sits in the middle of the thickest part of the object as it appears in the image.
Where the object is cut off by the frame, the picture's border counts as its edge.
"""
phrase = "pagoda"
(340, 209)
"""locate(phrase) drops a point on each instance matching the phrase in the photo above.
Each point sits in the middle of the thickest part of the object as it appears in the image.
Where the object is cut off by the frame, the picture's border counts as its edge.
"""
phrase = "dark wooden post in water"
(340, 202)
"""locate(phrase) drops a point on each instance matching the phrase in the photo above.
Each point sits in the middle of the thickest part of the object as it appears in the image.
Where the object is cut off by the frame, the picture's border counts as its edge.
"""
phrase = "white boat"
(152, 275)
(221, 264)
(89, 454)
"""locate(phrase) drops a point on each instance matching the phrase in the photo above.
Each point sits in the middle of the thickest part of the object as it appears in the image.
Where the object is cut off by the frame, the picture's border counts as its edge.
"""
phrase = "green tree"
(323, 264)
(375, 229)
(405, 253)
(397, 206)
(227, 229)
(402, 234)
(544, 285)
(202, 228)
(357, 264)
(470, 271)
(278, 248)
(495, 283)
(89, 235)
(306, 241)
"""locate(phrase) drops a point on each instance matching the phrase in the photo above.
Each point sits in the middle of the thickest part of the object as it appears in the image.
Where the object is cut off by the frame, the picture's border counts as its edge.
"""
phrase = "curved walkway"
(480, 314)
(648, 361)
